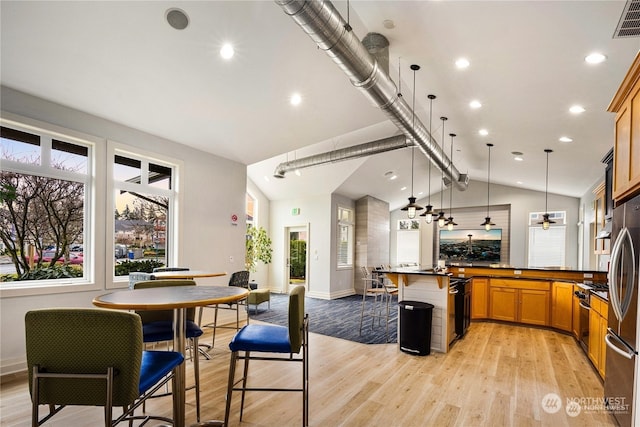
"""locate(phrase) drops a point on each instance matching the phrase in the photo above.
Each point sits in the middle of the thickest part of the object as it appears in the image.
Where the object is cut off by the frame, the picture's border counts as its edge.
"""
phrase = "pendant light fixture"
(412, 207)
(545, 218)
(450, 222)
(487, 220)
(441, 218)
(428, 213)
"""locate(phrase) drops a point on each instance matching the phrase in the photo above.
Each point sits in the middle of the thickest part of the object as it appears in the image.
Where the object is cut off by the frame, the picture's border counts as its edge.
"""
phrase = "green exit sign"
(295, 211)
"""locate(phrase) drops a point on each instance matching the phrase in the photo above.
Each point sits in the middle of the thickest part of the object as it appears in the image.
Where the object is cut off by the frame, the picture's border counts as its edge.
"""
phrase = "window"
(143, 202)
(547, 247)
(45, 206)
(345, 237)
(251, 205)
(408, 242)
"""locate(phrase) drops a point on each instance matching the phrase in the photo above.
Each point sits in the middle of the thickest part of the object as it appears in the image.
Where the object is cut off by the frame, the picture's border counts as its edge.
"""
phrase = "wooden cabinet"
(503, 304)
(479, 298)
(600, 246)
(626, 147)
(562, 306)
(534, 307)
(519, 300)
(598, 322)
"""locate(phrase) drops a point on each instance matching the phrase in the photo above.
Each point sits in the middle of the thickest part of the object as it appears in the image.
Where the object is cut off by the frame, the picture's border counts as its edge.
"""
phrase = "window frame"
(146, 157)
(350, 224)
(48, 133)
(560, 217)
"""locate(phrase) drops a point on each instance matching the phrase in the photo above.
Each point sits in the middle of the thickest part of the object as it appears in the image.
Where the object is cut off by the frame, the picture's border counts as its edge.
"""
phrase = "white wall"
(214, 189)
(314, 212)
(522, 202)
(261, 275)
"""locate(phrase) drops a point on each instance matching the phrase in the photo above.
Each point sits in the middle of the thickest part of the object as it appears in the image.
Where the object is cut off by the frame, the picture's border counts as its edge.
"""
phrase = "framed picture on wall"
(470, 245)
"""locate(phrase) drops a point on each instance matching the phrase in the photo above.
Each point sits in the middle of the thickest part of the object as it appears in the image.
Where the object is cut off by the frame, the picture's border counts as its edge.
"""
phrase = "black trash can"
(415, 327)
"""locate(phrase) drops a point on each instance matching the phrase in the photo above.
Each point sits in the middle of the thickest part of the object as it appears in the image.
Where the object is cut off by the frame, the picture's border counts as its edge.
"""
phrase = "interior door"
(297, 256)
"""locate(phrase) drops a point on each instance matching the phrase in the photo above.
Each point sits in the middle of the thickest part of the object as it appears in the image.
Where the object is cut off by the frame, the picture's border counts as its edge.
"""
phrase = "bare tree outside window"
(41, 217)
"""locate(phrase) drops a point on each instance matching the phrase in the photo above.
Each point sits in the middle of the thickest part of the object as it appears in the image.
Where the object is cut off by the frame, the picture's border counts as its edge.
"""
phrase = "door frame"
(287, 230)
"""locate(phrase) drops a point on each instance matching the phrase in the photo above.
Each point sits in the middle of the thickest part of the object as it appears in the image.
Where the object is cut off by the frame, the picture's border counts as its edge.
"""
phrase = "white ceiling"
(122, 61)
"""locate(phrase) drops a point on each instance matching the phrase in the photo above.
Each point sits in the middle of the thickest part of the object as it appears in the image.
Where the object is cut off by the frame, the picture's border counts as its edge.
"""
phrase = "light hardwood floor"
(496, 376)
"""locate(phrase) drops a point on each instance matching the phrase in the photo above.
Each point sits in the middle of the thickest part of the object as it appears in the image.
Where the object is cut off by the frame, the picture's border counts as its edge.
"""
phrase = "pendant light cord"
(488, 178)
(442, 180)
(546, 188)
(431, 97)
(451, 177)
(413, 126)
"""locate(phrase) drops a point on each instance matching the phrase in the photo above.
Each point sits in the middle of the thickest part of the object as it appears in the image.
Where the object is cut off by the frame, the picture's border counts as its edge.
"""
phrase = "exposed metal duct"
(322, 22)
(378, 46)
(353, 152)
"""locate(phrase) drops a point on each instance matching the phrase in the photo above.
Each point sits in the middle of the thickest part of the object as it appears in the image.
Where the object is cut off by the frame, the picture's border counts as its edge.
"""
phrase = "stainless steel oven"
(583, 328)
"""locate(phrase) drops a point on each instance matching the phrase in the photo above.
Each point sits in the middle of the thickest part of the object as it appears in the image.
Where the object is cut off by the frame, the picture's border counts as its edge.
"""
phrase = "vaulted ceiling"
(124, 62)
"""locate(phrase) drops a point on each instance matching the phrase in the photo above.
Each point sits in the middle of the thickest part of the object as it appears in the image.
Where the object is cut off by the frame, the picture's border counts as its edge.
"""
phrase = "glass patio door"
(297, 256)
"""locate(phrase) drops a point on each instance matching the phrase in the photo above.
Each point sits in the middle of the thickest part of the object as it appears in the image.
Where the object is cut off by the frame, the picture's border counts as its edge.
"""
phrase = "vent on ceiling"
(629, 24)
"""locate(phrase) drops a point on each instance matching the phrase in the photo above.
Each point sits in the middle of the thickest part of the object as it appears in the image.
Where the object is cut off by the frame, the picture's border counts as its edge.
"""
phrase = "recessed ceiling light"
(420, 193)
(297, 172)
(227, 51)
(295, 99)
(388, 24)
(392, 177)
(565, 139)
(475, 104)
(595, 58)
(462, 63)
(577, 109)
(483, 132)
(266, 178)
(403, 188)
(519, 182)
(518, 158)
(517, 155)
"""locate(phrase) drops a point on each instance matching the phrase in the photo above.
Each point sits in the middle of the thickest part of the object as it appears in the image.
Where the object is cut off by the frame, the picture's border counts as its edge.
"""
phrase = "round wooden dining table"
(178, 299)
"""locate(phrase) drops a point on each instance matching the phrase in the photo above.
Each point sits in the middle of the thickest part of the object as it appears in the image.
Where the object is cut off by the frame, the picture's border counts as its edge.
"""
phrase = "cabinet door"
(562, 306)
(626, 160)
(479, 301)
(534, 307)
(575, 324)
(503, 304)
(603, 345)
(594, 337)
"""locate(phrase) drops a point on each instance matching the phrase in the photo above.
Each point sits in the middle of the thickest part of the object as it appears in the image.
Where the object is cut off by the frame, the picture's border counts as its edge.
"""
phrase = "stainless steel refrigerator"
(622, 338)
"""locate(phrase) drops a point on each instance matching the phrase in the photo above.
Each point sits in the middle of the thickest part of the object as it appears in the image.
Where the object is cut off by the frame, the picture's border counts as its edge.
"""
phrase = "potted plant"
(258, 248)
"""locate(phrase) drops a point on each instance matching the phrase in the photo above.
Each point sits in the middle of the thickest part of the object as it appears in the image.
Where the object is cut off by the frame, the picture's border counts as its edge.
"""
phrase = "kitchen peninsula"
(432, 288)
(530, 296)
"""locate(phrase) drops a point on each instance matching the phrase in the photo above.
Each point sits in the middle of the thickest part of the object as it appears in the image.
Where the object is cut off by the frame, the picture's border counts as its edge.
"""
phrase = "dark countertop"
(412, 271)
(508, 267)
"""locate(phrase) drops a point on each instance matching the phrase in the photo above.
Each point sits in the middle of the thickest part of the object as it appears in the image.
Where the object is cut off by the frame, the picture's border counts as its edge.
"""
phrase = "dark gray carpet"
(339, 318)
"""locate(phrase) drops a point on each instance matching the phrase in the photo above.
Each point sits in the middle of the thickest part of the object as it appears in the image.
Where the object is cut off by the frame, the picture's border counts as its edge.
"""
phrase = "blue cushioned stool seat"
(162, 330)
(264, 338)
(155, 365)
